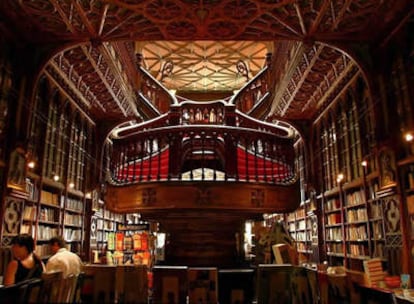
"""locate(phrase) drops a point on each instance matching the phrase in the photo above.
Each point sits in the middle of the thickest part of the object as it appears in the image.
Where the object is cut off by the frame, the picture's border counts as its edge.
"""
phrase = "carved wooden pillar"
(230, 156)
(230, 144)
(175, 145)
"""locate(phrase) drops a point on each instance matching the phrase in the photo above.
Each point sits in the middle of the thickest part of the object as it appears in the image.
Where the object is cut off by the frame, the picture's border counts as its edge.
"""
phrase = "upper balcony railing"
(202, 153)
(211, 141)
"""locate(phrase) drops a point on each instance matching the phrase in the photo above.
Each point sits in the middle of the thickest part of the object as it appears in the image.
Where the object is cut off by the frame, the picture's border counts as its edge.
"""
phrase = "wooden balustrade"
(255, 92)
(219, 153)
(157, 99)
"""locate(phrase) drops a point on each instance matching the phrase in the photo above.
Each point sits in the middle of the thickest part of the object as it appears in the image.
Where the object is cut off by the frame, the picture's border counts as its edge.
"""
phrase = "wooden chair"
(51, 282)
(14, 293)
(67, 289)
(32, 291)
(78, 289)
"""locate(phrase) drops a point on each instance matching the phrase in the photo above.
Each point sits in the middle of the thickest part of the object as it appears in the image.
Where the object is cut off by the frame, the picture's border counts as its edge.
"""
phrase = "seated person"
(63, 259)
(26, 264)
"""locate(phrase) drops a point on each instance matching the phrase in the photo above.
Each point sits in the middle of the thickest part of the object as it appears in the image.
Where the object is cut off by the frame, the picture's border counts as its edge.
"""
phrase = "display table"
(236, 285)
(383, 295)
(202, 285)
(401, 299)
(111, 284)
(376, 295)
(170, 284)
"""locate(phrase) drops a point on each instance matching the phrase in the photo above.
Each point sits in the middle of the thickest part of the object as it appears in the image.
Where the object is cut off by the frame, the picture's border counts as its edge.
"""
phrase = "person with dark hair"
(26, 264)
(63, 259)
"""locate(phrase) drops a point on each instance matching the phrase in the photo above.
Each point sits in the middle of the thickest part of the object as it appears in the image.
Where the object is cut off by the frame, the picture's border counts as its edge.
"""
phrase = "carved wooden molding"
(253, 198)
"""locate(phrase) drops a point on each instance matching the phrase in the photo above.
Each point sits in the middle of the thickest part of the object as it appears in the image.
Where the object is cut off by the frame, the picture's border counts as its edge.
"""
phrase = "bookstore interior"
(211, 151)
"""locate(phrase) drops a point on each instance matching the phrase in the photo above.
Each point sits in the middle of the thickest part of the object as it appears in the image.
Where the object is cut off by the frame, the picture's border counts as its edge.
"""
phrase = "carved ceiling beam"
(84, 18)
(284, 82)
(301, 19)
(103, 18)
(284, 107)
(114, 28)
(321, 13)
(348, 67)
(66, 92)
(74, 81)
(285, 24)
(341, 14)
(126, 55)
(102, 75)
(120, 77)
(62, 14)
(402, 22)
(67, 79)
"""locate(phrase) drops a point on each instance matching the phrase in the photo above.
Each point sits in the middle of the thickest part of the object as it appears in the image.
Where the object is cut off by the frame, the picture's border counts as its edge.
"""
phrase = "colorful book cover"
(119, 241)
(111, 241)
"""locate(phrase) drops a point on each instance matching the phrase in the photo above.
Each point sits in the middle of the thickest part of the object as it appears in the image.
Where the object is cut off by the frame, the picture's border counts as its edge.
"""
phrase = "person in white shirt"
(63, 259)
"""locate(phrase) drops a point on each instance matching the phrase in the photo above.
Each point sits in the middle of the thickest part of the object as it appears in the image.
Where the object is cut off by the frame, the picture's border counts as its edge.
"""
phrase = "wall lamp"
(340, 178)
(408, 136)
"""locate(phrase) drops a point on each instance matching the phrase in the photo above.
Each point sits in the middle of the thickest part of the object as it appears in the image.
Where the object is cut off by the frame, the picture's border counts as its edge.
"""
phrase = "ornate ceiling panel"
(200, 38)
(315, 71)
(203, 65)
(107, 20)
(95, 77)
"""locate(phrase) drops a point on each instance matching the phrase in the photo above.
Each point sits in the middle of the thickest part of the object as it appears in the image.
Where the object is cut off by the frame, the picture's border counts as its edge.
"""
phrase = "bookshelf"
(73, 220)
(406, 170)
(44, 210)
(103, 228)
(333, 227)
(353, 221)
(50, 213)
(133, 244)
(303, 227)
(298, 229)
(376, 220)
(51, 199)
(356, 227)
(120, 238)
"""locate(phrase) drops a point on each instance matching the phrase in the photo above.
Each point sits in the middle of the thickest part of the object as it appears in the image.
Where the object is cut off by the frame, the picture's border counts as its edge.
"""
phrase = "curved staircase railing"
(219, 153)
